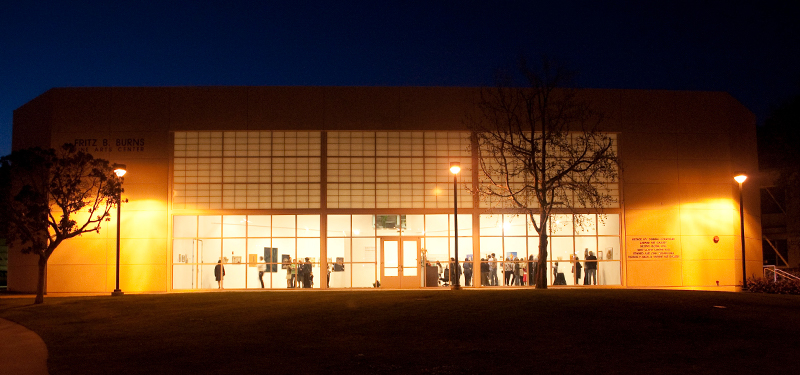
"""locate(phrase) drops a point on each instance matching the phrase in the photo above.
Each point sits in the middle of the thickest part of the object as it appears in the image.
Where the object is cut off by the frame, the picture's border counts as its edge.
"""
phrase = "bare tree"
(48, 196)
(541, 148)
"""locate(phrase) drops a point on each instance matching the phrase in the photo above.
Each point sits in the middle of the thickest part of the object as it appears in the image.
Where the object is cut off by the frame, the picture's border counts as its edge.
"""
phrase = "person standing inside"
(307, 273)
(576, 270)
(262, 267)
(467, 272)
(531, 270)
(484, 272)
(219, 274)
(508, 269)
(288, 275)
(493, 280)
(301, 270)
(293, 270)
(591, 269)
(330, 268)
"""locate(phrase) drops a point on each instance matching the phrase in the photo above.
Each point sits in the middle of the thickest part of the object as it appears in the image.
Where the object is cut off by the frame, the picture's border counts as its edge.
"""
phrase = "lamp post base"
(117, 292)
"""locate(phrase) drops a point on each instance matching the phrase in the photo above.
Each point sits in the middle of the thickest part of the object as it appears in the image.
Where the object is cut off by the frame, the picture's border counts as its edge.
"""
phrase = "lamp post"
(455, 167)
(740, 177)
(119, 170)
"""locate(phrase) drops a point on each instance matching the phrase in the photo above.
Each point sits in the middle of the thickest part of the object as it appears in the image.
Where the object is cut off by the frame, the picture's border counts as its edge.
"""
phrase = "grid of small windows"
(246, 170)
(517, 184)
(396, 169)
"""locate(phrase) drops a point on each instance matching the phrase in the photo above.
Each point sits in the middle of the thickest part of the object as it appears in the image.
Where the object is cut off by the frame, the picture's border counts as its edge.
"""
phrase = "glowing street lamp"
(455, 167)
(119, 170)
(740, 177)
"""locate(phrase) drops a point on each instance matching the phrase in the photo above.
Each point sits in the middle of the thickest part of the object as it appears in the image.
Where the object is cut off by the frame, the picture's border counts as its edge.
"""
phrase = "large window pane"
(308, 248)
(389, 225)
(583, 245)
(608, 225)
(415, 225)
(283, 226)
(210, 250)
(561, 225)
(259, 226)
(308, 226)
(285, 246)
(339, 226)
(437, 248)
(234, 250)
(184, 226)
(585, 225)
(464, 225)
(183, 251)
(234, 226)
(341, 279)
(490, 245)
(533, 246)
(210, 226)
(338, 248)
(363, 226)
(206, 277)
(183, 276)
(610, 248)
(561, 248)
(235, 276)
(608, 273)
(363, 275)
(514, 225)
(436, 225)
(464, 247)
(514, 246)
(364, 250)
(491, 225)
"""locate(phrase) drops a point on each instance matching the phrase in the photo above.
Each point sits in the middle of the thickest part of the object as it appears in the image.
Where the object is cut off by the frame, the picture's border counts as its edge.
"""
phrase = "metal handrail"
(776, 273)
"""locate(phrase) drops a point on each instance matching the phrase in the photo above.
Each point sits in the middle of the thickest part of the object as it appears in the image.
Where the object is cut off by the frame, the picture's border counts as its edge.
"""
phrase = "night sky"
(749, 49)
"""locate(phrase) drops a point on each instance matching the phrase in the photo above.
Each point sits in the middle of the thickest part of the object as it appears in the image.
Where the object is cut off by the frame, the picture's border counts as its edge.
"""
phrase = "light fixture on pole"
(119, 170)
(455, 167)
(740, 177)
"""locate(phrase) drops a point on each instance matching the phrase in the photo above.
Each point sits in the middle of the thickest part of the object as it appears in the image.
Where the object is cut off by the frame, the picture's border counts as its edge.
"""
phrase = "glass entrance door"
(400, 262)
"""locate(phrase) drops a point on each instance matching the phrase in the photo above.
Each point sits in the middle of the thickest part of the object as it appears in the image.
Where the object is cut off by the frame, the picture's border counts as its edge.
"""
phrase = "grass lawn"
(430, 332)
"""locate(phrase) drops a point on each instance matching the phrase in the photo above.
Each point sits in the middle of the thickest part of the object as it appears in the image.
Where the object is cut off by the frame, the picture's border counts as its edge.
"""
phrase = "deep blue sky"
(749, 49)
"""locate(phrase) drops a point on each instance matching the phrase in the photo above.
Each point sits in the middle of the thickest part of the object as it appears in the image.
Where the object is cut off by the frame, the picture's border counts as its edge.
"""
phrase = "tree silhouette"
(49, 196)
(541, 148)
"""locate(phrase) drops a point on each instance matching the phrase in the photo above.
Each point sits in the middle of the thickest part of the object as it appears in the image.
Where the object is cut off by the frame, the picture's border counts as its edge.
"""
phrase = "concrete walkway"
(22, 351)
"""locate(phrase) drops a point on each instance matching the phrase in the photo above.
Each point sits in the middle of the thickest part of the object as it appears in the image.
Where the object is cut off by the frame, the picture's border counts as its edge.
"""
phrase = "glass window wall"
(246, 249)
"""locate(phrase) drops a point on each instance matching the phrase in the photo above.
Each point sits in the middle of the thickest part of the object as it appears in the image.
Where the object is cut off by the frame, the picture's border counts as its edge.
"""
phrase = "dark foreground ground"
(426, 332)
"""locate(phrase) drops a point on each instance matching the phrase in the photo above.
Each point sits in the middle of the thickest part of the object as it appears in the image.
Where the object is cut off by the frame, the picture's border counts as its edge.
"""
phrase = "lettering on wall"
(92, 145)
(653, 248)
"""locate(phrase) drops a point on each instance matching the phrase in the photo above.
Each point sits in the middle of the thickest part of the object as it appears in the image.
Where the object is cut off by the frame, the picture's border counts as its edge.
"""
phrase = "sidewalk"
(22, 351)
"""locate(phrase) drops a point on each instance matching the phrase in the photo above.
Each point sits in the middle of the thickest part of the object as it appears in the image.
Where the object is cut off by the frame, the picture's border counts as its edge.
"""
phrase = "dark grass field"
(424, 332)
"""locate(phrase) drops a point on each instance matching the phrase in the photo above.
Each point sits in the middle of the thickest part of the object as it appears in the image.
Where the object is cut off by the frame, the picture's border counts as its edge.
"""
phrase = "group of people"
(298, 274)
(590, 276)
(516, 271)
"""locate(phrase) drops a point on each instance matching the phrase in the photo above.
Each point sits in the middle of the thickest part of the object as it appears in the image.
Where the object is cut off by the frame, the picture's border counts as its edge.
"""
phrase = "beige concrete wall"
(679, 161)
(111, 117)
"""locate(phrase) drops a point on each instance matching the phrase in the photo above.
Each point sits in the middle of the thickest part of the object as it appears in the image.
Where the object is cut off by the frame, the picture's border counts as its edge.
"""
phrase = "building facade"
(356, 180)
